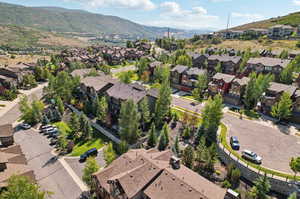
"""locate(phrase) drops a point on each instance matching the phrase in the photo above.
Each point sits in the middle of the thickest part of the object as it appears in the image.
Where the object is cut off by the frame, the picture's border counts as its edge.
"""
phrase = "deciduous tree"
(188, 157)
(91, 166)
(283, 108)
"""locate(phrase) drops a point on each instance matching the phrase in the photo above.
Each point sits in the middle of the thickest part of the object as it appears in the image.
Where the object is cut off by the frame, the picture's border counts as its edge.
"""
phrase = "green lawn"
(82, 147)
(263, 169)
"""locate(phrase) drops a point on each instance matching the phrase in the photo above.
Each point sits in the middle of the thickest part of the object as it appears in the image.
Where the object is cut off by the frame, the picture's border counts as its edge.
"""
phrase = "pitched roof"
(225, 58)
(227, 78)
(98, 82)
(195, 71)
(81, 72)
(268, 61)
(277, 87)
(243, 81)
(155, 64)
(6, 130)
(179, 68)
(183, 183)
(126, 91)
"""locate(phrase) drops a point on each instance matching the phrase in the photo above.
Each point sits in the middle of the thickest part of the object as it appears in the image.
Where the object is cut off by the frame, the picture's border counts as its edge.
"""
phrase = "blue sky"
(188, 14)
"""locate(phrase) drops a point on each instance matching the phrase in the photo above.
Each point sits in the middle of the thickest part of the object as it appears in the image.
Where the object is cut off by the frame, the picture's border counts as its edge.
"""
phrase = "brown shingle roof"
(243, 81)
(277, 87)
(195, 71)
(126, 91)
(183, 183)
(179, 68)
(225, 58)
(6, 130)
(268, 61)
(81, 72)
(98, 82)
(227, 78)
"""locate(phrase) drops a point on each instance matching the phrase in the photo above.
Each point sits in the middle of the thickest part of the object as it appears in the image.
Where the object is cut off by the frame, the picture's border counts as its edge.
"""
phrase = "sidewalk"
(11, 104)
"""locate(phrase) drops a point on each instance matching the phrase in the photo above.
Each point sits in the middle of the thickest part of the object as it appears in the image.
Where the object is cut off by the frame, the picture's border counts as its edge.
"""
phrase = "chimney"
(175, 162)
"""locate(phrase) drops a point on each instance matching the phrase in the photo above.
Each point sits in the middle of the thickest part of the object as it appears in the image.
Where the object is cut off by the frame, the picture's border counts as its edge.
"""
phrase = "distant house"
(220, 84)
(13, 75)
(296, 107)
(266, 65)
(176, 74)
(273, 94)
(189, 78)
(280, 31)
(153, 65)
(229, 64)
(150, 174)
(236, 91)
(257, 31)
(232, 34)
(198, 59)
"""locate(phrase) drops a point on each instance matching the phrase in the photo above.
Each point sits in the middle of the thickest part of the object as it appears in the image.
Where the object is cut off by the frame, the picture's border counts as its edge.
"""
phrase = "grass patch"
(82, 147)
(181, 112)
(223, 140)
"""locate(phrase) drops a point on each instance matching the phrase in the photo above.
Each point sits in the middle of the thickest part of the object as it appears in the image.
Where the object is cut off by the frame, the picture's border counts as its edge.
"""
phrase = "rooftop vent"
(175, 162)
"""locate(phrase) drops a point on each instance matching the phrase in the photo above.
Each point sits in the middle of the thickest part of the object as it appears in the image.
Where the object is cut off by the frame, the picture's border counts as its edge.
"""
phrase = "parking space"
(49, 172)
(274, 146)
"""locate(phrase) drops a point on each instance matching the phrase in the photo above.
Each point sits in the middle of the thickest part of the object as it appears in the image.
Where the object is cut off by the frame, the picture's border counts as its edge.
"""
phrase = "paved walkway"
(123, 69)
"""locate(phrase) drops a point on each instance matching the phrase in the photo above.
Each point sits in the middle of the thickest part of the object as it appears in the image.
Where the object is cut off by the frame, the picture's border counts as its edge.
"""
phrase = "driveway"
(273, 145)
(49, 172)
(78, 167)
(187, 104)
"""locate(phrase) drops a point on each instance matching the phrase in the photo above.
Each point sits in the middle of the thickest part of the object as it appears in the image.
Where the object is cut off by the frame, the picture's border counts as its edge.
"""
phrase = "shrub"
(226, 184)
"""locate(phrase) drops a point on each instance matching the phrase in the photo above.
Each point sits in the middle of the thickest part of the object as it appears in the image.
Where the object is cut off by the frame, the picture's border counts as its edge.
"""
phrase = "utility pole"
(228, 22)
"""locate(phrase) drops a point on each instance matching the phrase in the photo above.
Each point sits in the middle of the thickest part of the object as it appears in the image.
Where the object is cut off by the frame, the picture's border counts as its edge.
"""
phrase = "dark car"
(53, 141)
(234, 142)
(53, 134)
(91, 152)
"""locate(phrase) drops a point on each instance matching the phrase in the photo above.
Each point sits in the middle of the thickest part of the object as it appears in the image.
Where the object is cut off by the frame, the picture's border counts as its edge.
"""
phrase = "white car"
(25, 126)
(251, 156)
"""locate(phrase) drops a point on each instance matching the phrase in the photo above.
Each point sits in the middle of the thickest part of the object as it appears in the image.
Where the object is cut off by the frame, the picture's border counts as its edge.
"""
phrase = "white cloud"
(173, 15)
(296, 2)
(247, 16)
(130, 4)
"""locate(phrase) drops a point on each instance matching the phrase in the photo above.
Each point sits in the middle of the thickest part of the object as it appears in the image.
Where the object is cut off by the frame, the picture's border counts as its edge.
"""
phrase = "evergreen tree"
(286, 75)
(142, 66)
(200, 134)
(123, 147)
(261, 188)
(109, 154)
(162, 108)
(184, 60)
(219, 67)
(91, 166)
(60, 105)
(144, 112)
(102, 109)
(201, 86)
(45, 120)
(188, 157)
(20, 187)
(295, 165)
(186, 133)
(162, 142)
(165, 130)
(152, 139)
(74, 124)
(283, 108)
(212, 115)
(129, 122)
(176, 146)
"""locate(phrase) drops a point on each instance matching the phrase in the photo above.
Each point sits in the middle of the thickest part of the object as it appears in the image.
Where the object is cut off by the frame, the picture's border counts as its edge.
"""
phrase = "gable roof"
(278, 87)
(81, 72)
(268, 61)
(225, 58)
(225, 77)
(98, 82)
(195, 71)
(244, 81)
(179, 68)
(126, 91)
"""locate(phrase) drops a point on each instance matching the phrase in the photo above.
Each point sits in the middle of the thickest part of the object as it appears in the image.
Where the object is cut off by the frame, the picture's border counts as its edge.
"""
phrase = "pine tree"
(109, 154)
(286, 75)
(162, 108)
(186, 133)
(91, 166)
(283, 108)
(152, 139)
(162, 142)
(176, 146)
(102, 109)
(123, 147)
(188, 157)
(144, 112)
(74, 124)
(129, 122)
(165, 130)
(261, 188)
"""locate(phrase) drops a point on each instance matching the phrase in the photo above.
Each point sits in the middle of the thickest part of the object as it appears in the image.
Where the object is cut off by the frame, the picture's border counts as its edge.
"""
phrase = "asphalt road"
(272, 144)
(49, 172)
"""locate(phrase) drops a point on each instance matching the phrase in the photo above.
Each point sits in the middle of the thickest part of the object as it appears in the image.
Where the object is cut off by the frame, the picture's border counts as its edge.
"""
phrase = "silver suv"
(251, 156)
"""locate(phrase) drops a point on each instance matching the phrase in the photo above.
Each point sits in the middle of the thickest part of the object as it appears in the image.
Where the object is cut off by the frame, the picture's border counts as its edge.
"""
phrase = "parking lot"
(275, 147)
(49, 172)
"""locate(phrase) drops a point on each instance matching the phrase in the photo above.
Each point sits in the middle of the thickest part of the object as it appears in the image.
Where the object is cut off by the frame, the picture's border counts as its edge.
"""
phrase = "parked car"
(234, 142)
(91, 152)
(43, 127)
(251, 156)
(50, 130)
(47, 129)
(53, 141)
(53, 133)
(25, 126)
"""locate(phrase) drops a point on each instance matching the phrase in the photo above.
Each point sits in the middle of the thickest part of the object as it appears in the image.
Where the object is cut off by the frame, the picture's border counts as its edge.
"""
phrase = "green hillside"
(65, 20)
(292, 19)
